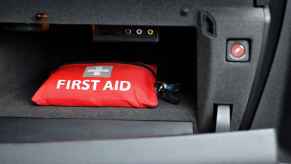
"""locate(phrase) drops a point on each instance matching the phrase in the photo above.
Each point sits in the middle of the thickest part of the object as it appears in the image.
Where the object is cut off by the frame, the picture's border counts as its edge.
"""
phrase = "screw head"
(184, 11)
(41, 16)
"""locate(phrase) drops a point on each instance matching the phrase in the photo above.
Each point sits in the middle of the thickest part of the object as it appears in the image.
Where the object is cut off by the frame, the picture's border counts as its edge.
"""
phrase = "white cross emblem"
(98, 71)
(95, 71)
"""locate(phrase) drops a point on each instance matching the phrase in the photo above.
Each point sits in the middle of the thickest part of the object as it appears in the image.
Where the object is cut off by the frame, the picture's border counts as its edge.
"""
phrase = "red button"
(237, 50)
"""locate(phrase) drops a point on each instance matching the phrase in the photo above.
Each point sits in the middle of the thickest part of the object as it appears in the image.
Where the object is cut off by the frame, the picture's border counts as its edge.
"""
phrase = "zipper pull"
(169, 92)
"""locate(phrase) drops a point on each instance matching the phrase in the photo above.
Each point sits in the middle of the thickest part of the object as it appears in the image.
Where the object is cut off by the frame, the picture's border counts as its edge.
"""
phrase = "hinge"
(223, 118)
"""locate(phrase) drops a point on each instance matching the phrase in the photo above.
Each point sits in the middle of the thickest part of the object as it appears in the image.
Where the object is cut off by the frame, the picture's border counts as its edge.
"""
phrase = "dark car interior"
(231, 59)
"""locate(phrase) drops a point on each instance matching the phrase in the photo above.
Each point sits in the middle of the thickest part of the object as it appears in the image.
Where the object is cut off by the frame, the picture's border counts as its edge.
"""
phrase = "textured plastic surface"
(274, 108)
(53, 130)
(224, 148)
(222, 82)
(268, 112)
(111, 12)
(273, 69)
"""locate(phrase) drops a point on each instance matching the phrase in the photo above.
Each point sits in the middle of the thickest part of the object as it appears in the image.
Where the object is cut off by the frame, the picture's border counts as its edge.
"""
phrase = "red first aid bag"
(100, 84)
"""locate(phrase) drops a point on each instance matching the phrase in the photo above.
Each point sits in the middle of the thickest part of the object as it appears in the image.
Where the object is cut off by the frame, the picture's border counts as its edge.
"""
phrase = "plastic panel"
(222, 82)
(52, 130)
(224, 148)
(111, 12)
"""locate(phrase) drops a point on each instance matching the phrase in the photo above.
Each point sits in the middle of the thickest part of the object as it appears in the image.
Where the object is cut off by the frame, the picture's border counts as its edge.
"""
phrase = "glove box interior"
(28, 58)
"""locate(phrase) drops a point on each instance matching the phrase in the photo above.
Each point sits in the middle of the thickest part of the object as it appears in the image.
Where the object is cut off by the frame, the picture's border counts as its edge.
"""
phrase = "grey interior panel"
(253, 147)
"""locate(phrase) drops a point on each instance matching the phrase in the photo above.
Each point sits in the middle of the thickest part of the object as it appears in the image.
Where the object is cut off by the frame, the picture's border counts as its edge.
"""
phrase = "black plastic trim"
(23, 130)
(269, 47)
(112, 12)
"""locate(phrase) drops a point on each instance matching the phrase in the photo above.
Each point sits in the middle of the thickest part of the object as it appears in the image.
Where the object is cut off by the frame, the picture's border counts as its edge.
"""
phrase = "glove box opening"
(27, 58)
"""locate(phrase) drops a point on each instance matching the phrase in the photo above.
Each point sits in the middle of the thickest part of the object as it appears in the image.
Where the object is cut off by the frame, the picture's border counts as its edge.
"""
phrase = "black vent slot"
(207, 24)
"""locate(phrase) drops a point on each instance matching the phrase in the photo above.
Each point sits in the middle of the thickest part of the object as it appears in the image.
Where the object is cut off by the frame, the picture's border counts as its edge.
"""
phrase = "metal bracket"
(223, 118)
